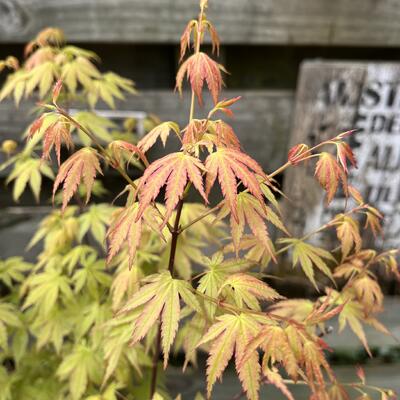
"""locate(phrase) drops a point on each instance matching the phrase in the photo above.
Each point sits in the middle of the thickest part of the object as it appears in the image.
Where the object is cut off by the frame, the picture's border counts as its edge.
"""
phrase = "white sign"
(337, 96)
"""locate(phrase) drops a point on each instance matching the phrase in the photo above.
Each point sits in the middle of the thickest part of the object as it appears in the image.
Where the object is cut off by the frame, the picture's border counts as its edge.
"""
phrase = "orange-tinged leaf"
(200, 68)
(57, 133)
(344, 154)
(298, 153)
(215, 41)
(194, 131)
(159, 298)
(229, 335)
(225, 135)
(56, 90)
(161, 131)
(81, 166)
(369, 293)
(192, 26)
(355, 194)
(174, 171)
(373, 221)
(122, 151)
(125, 229)
(295, 349)
(224, 105)
(247, 289)
(275, 379)
(329, 173)
(230, 165)
(347, 230)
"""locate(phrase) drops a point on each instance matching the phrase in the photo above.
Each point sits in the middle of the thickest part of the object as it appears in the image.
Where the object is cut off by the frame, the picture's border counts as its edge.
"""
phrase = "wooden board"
(262, 118)
(334, 97)
(303, 22)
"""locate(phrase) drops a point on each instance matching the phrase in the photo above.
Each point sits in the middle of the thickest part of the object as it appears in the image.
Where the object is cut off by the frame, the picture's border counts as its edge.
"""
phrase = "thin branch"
(175, 232)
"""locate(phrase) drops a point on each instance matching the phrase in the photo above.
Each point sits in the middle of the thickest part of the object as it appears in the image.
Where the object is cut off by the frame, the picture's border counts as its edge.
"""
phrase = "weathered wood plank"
(262, 118)
(322, 22)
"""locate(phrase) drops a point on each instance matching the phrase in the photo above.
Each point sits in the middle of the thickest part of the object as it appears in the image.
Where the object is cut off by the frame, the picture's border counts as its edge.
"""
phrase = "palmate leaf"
(353, 313)
(225, 135)
(309, 256)
(253, 249)
(200, 68)
(255, 214)
(13, 270)
(218, 271)
(54, 135)
(373, 220)
(194, 133)
(160, 298)
(274, 378)
(95, 220)
(296, 350)
(52, 328)
(174, 171)
(369, 293)
(185, 41)
(47, 288)
(124, 229)
(109, 87)
(57, 230)
(229, 335)
(29, 171)
(80, 70)
(79, 368)
(125, 283)
(124, 152)
(347, 230)
(299, 152)
(117, 352)
(81, 166)
(92, 277)
(247, 289)
(344, 153)
(8, 318)
(329, 173)
(161, 131)
(230, 165)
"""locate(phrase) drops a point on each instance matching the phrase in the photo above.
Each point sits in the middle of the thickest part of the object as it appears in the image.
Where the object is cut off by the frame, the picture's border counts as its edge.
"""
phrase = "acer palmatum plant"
(160, 300)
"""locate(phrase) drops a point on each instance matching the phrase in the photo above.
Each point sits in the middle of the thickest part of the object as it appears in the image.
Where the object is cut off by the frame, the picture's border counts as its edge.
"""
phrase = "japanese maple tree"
(111, 319)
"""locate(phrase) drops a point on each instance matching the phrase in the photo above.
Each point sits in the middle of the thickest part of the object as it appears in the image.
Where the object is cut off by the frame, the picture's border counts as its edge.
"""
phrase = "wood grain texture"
(262, 118)
(306, 22)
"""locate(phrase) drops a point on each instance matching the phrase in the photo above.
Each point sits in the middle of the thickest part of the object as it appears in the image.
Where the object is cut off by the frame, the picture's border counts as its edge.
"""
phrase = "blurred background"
(264, 45)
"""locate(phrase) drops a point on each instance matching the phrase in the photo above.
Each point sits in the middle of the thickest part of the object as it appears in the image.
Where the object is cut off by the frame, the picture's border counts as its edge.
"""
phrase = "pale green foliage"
(67, 301)
(29, 171)
(47, 61)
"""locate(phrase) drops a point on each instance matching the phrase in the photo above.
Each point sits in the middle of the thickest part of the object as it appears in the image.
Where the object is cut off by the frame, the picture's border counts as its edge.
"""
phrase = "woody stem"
(175, 232)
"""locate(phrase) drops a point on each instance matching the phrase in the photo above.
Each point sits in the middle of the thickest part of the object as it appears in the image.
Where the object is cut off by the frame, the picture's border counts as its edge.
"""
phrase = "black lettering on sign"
(337, 93)
(378, 193)
(371, 95)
